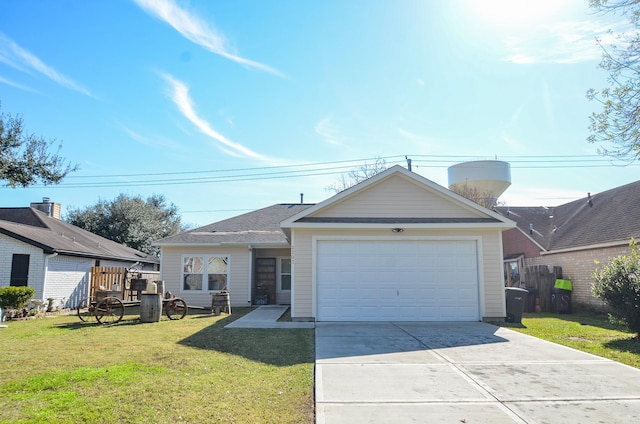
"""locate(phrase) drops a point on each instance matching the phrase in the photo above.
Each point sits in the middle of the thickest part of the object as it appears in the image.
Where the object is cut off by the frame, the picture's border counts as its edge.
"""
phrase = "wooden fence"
(106, 278)
(542, 279)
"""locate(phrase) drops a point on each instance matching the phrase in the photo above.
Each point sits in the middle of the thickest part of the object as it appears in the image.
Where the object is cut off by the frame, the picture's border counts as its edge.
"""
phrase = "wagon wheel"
(86, 310)
(176, 308)
(109, 310)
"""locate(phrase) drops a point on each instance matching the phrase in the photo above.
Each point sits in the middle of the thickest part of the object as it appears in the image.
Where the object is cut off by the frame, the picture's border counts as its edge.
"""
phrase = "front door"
(265, 281)
(19, 270)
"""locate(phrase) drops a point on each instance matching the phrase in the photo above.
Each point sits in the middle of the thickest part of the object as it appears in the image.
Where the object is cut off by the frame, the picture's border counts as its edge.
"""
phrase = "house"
(394, 247)
(39, 250)
(574, 236)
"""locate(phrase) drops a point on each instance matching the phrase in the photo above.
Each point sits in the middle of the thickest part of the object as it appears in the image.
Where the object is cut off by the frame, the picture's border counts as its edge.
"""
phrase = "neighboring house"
(39, 250)
(574, 236)
(394, 247)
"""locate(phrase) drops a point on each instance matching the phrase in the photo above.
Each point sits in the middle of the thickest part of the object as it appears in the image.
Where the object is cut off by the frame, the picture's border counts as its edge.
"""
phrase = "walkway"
(267, 317)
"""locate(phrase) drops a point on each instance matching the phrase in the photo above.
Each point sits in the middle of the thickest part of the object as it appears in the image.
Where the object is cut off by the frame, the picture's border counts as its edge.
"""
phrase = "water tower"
(484, 178)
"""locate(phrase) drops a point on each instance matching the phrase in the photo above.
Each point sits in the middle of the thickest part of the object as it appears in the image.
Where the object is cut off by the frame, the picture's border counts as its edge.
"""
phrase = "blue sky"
(229, 106)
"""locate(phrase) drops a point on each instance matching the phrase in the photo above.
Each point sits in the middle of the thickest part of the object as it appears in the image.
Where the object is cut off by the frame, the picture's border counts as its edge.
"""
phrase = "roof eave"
(45, 248)
(616, 243)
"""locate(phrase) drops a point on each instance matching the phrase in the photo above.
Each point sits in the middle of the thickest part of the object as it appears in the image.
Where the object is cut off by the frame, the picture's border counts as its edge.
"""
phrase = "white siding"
(238, 273)
(398, 197)
(68, 279)
(9, 246)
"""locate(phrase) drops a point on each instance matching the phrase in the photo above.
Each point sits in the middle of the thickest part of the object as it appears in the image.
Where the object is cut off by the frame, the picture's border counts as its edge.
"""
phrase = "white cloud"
(179, 94)
(16, 85)
(197, 30)
(562, 42)
(17, 57)
(329, 132)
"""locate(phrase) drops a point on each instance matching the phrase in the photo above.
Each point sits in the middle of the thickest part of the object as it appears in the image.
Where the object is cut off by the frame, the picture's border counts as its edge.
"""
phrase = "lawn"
(588, 333)
(60, 370)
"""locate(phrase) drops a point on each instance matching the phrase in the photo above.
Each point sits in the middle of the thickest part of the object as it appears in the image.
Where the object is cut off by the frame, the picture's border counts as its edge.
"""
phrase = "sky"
(224, 107)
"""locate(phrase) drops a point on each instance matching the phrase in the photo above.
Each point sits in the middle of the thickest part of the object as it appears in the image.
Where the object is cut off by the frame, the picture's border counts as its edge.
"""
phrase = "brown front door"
(265, 281)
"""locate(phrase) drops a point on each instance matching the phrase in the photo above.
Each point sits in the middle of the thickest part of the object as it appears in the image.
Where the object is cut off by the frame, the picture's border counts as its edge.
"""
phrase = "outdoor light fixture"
(397, 230)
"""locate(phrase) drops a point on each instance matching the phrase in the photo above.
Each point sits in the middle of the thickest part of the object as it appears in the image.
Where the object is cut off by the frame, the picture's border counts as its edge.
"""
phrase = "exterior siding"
(578, 266)
(238, 273)
(491, 277)
(398, 197)
(67, 279)
(9, 246)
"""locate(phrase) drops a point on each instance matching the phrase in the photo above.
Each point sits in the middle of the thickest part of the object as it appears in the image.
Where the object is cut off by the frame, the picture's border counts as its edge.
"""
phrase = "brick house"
(574, 236)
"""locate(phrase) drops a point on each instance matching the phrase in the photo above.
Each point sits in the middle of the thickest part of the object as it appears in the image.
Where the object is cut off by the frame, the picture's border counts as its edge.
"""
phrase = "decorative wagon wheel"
(86, 310)
(176, 308)
(109, 310)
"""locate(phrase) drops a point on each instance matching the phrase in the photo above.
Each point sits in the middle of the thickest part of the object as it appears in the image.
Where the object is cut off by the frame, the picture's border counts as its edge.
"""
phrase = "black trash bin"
(516, 298)
(561, 296)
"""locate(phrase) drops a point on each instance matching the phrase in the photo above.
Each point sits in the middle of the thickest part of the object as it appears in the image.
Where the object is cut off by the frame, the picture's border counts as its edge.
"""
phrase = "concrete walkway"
(267, 317)
(464, 373)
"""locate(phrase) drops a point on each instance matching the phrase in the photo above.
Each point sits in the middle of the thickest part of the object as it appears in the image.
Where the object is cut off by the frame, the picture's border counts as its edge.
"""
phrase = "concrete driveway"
(464, 373)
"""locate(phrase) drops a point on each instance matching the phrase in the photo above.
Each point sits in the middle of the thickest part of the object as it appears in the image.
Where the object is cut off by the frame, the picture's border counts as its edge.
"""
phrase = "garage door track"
(464, 373)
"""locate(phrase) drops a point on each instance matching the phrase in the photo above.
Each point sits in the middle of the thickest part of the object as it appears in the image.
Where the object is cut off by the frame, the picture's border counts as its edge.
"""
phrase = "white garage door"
(383, 280)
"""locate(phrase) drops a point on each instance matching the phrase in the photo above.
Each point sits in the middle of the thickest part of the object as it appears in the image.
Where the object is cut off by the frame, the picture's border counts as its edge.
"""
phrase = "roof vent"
(590, 201)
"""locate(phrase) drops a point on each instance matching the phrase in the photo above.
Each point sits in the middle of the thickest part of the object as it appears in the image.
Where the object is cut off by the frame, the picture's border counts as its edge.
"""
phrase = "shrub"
(15, 297)
(617, 285)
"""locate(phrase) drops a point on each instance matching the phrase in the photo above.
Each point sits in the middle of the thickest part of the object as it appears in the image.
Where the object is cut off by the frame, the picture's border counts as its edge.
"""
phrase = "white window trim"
(279, 274)
(205, 257)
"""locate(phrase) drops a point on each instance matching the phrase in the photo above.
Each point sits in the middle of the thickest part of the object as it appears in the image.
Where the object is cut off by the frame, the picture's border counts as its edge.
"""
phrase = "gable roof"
(473, 214)
(260, 227)
(52, 235)
(610, 217)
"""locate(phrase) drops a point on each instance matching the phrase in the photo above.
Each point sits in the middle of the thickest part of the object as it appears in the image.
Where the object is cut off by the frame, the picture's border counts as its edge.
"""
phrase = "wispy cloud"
(563, 42)
(16, 85)
(179, 94)
(17, 57)
(197, 30)
(329, 132)
(154, 141)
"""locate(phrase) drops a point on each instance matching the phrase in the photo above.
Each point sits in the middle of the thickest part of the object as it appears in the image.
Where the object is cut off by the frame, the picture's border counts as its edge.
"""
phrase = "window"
(285, 274)
(19, 270)
(204, 273)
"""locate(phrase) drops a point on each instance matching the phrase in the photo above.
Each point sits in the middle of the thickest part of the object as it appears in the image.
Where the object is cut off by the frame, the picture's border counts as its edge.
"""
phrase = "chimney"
(52, 209)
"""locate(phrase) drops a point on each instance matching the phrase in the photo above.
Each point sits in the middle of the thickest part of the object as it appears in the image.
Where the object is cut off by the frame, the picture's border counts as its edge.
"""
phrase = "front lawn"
(60, 370)
(588, 333)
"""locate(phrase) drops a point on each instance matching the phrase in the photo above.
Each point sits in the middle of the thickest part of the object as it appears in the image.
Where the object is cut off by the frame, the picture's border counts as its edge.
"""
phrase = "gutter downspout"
(46, 272)
(250, 275)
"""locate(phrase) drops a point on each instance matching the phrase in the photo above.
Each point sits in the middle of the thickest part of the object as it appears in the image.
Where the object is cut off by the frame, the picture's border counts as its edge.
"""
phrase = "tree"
(25, 158)
(618, 285)
(357, 175)
(483, 198)
(617, 125)
(132, 221)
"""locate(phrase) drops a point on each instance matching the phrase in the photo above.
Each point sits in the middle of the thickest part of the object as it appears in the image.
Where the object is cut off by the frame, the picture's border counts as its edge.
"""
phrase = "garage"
(397, 280)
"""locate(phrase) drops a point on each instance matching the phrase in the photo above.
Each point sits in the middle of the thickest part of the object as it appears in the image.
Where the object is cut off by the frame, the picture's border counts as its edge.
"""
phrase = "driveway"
(464, 373)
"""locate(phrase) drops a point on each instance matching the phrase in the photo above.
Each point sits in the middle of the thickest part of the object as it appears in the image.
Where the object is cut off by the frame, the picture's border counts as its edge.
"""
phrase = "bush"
(15, 297)
(617, 285)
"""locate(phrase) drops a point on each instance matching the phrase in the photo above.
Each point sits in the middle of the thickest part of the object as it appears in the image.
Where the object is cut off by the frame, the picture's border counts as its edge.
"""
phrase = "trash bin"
(516, 298)
(561, 296)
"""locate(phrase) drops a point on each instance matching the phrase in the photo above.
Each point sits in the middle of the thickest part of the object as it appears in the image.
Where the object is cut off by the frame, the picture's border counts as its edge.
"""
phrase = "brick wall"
(578, 267)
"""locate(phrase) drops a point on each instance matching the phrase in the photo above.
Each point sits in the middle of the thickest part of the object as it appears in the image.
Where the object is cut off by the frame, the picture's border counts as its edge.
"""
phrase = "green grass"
(588, 333)
(60, 370)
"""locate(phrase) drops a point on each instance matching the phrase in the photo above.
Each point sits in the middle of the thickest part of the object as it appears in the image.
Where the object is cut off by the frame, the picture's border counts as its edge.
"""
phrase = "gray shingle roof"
(258, 227)
(610, 216)
(52, 235)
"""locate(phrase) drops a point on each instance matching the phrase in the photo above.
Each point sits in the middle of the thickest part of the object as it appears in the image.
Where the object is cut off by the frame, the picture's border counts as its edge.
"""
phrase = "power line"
(324, 168)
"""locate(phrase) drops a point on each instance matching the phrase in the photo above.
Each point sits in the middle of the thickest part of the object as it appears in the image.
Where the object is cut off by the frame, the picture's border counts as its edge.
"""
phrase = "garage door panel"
(397, 280)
